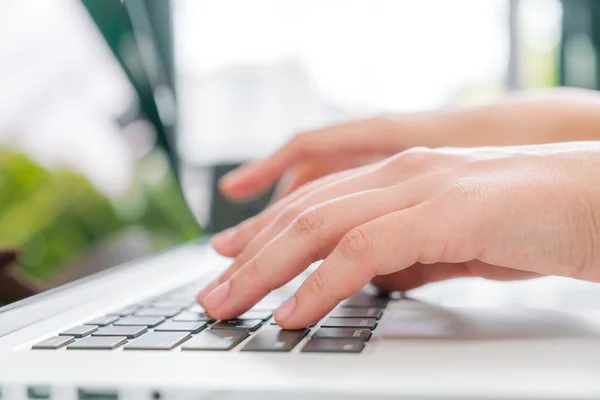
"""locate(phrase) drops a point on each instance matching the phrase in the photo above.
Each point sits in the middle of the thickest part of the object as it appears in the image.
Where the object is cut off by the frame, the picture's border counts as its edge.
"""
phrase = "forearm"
(546, 116)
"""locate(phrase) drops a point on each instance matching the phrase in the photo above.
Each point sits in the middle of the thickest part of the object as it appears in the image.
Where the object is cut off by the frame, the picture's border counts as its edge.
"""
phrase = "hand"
(313, 154)
(538, 117)
(420, 216)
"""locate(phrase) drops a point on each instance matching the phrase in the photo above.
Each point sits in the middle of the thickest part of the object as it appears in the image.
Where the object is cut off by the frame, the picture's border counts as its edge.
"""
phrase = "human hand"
(532, 118)
(420, 216)
(313, 154)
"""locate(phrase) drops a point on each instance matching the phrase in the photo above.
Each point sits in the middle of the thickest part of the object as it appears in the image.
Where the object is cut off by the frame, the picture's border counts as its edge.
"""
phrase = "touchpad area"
(420, 320)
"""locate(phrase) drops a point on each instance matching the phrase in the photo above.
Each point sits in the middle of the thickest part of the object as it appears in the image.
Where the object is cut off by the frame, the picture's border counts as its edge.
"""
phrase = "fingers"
(390, 243)
(309, 238)
(369, 177)
(339, 140)
(350, 184)
(310, 171)
(400, 167)
(232, 241)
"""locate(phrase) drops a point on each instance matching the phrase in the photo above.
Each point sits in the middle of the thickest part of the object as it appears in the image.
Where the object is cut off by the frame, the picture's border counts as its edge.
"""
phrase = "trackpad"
(415, 319)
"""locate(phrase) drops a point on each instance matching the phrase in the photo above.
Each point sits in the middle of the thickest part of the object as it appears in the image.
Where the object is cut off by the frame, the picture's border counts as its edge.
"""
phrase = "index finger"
(311, 236)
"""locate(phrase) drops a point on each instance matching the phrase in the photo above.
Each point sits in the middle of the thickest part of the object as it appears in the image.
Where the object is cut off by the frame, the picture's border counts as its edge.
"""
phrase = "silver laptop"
(102, 259)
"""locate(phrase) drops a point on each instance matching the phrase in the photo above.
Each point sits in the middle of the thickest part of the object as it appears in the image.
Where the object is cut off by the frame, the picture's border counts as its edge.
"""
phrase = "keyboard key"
(158, 312)
(358, 312)
(79, 331)
(216, 340)
(150, 322)
(368, 323)
(123, 312)
(98, 343)
(247, 324)
(159, 341)
(264, 315)
(173, 326)
(54, 343)
(275, 339)
(310, 326)
(334, 346)
(343, 333)
(197, 308)
(130, 332)
(362, 299)
(187, 316)
(103, 321)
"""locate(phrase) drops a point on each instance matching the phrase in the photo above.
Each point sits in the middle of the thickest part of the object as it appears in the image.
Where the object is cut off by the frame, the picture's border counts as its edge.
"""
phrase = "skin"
(539, 117)
(424, 214)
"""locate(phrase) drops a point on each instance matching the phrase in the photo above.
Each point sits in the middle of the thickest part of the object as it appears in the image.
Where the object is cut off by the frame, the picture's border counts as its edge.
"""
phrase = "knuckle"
(309, 221)
(316, 284)
(413, 156)
(289, 215)
(356, 245)
(301, 141)
(253, 271)
(414, 159)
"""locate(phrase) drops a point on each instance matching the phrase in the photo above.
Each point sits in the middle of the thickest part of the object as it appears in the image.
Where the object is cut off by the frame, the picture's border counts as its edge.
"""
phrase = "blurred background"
(86, 150)
(251, 73)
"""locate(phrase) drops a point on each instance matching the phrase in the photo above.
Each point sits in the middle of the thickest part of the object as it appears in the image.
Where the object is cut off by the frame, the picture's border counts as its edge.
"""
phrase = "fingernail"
(224, 238)
(206, 291)
(286, 310)
(217, 296)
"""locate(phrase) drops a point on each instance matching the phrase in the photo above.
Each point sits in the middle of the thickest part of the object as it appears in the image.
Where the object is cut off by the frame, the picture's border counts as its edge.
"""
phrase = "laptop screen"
(86, 177)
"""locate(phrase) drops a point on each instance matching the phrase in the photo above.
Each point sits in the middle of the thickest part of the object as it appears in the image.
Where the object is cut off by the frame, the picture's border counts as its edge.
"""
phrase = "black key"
(103, 321)
(343, 333)
(123, 312)
(247, 324)
(334, 346)
(275, 339)
(150, 322)
(192, 317)
(158, 312)
(368, 323)
(79, 331)
(310, 326)
(130, 332)
(54, 343)
(98, 343)
(358, 312)
(362, 299)
(172, 326)
(264, 315)
(216, 339)
(159, 341)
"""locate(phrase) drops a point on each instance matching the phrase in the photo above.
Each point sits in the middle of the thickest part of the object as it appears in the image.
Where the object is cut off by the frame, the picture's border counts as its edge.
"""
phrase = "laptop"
(102, 259)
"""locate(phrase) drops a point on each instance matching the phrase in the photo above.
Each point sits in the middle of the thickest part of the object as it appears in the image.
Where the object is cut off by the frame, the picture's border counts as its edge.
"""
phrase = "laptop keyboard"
(174, 321)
